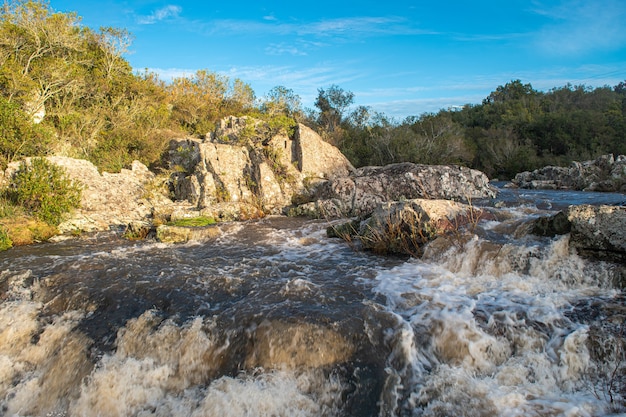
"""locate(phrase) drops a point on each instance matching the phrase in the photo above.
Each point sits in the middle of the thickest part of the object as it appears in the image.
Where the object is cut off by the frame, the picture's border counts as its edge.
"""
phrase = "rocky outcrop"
(404, 227)
(242, 163)
(107, 199)
(360, 193)
(606, 173)
(245, 170)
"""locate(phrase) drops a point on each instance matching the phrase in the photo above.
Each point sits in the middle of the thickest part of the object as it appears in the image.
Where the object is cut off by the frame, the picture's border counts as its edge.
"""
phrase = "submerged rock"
(280, 345)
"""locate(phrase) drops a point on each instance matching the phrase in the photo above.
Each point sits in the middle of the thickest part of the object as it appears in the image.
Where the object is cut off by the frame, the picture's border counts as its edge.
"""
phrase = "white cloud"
(160, 14)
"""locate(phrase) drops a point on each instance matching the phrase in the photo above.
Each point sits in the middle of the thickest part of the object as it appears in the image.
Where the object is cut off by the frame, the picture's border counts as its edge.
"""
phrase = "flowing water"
(276, 319)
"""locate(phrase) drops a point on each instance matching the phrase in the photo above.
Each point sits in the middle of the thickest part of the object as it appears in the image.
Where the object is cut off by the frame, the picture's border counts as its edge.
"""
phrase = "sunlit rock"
(182, 234)
(242, 163)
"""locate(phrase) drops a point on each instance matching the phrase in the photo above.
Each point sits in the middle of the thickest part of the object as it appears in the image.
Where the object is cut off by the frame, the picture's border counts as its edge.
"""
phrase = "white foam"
(492, 327)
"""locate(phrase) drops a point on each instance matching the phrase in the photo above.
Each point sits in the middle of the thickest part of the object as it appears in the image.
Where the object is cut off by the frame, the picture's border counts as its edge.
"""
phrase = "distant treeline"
(515, 128)
(66, 89)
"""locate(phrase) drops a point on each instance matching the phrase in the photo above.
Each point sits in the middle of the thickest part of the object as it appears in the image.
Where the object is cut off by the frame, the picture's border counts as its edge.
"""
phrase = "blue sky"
(400, 58)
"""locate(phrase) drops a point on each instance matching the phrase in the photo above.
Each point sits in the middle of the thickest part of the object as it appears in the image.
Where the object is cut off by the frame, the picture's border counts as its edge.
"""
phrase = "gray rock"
(107, 200)
(599, 231)
(605, 174)
(362, 192)
(405, 227)
(547, 226)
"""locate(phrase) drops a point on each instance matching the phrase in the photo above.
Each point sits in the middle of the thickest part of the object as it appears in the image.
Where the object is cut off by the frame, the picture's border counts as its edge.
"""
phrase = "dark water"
(275, 319)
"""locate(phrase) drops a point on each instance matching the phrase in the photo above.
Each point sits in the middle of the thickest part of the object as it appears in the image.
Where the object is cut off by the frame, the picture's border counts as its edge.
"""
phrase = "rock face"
(244, 170)
(603, 174)
(360, 193)
(243, 164)
(404, 227)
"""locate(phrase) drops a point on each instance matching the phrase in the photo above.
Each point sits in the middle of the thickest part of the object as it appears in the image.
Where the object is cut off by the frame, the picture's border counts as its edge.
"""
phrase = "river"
(276, 319)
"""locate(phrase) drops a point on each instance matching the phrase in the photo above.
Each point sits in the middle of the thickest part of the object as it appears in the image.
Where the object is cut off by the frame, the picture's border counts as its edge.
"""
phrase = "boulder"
(362, 192)
(242, 163)
(599, 231)
(404, 227)
(605, 173)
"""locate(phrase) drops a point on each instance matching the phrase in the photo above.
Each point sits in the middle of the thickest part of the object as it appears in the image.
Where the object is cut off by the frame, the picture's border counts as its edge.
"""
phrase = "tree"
(282, 100)
(332, 104)
(38, 52)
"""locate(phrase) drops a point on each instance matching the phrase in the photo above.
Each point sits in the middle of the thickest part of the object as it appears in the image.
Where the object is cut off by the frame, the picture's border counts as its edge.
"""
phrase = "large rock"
(241, 163)
(599, 231)
(404, 227)
(605, 173)
(360, 193)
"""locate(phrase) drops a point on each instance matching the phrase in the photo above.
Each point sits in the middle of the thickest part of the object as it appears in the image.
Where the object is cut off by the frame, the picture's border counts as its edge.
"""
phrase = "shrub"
(5, 241)
(45, 190)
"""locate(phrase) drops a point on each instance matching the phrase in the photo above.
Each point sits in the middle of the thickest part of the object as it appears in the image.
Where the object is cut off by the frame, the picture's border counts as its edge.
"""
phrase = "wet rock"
(360, 193)
(605, 173)
(548, 226)
(405, 227)
(182, 234)
(599, 231)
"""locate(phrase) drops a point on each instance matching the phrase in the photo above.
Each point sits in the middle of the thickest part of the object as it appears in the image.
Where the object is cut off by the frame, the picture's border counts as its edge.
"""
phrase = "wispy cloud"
(284, 49)
(343, 27)
(163, 13)
(579, 27)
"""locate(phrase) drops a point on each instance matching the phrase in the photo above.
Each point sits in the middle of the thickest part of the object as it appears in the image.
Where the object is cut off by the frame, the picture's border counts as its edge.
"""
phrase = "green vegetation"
(5, 240)
(97, 108)
(200, 221)
(44, 190)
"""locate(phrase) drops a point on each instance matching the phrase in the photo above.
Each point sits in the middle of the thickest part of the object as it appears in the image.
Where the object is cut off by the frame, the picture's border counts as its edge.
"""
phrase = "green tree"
(282, 100)
(332, 104)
